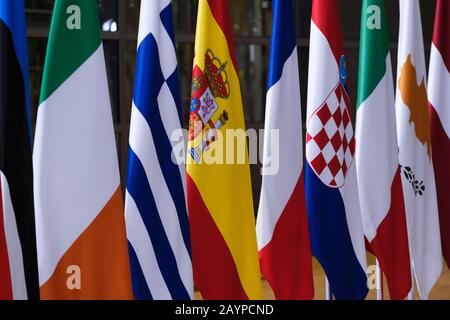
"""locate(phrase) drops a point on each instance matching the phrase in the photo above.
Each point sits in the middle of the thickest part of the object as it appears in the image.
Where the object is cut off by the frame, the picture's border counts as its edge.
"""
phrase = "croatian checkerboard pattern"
(330, 141)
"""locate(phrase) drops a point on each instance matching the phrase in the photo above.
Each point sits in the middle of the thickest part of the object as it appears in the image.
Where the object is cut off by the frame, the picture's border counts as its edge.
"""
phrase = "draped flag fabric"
(377, 155)
(439, 108)
(18, 261)
(80, 225)
(414, 140)
(155, 207)
(337, 238)
(282, 226)
(224, 249)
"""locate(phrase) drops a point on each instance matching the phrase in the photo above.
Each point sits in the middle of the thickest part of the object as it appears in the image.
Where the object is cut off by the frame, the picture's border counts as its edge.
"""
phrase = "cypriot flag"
(414, 138)
(82, 247)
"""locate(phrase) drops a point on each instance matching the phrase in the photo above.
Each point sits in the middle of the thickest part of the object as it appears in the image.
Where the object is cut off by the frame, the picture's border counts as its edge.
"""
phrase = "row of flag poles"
(379, 186)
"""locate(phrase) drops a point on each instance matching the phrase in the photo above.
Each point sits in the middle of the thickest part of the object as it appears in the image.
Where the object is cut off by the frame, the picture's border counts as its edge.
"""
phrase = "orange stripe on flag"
(101, 254)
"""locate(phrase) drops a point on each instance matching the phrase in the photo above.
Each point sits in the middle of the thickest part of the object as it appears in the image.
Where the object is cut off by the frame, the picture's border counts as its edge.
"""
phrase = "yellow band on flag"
(224, 189)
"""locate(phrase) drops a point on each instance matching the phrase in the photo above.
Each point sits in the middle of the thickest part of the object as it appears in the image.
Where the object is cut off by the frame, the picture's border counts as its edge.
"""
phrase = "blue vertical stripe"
(331, 243)
(174, 86)
(173, 81)
(140, 287)
(283, 39)
(12, 13)
(167, 21)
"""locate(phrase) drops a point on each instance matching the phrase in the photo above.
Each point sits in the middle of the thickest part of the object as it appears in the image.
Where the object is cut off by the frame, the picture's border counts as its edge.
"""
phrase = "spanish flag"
(225, 254)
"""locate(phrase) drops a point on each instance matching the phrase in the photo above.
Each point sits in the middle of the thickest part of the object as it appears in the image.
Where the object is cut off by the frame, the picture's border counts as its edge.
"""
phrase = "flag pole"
(379, 281)
(412, 292)
(328, 293)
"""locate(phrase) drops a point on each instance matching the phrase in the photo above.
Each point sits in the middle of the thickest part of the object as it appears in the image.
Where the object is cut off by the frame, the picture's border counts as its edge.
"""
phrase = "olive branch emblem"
(418, 186)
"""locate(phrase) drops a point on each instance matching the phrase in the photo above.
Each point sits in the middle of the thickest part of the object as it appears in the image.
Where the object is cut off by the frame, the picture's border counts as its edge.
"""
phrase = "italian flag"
(82, 247)
(377, 155)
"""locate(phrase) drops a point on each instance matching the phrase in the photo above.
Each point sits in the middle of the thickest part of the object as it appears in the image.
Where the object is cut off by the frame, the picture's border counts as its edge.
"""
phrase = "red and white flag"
(439, 106)
(282, 227)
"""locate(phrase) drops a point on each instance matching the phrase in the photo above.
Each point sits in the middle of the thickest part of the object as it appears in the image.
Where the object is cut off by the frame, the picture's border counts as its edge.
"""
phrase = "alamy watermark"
(229, 147)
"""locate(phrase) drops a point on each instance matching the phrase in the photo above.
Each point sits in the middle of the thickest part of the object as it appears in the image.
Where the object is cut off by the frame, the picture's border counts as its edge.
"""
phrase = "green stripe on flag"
(74, 37)
(374, 47)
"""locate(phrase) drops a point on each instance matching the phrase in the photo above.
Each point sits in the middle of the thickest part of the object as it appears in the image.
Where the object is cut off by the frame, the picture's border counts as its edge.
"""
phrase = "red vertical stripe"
(286, 260)
(219, 9)
(325, 14)
(440, 140)
(5, 273)
(391, 245)
(442, 29)
(441, 161)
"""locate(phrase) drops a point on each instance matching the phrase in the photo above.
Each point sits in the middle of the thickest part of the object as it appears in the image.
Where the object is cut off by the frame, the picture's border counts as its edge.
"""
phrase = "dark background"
(251, 26)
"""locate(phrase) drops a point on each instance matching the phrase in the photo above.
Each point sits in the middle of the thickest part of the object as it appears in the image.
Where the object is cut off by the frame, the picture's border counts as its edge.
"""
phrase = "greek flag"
(155, 205)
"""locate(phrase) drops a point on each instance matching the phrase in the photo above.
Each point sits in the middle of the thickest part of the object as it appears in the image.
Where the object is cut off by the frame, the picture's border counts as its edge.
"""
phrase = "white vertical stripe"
(283, 113)
(169, 115)
(350, 197)
(142, 143)
(142, 245)
(438, 88)
(13, 244)
(376, 152)
(321, 58)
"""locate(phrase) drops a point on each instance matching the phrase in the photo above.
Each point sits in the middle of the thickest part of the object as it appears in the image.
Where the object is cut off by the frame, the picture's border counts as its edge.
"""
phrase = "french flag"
(439, 101)
(282, 227)
(337, 238)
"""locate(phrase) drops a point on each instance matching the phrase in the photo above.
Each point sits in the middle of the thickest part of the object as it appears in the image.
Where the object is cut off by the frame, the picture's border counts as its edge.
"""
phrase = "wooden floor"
(440, 292)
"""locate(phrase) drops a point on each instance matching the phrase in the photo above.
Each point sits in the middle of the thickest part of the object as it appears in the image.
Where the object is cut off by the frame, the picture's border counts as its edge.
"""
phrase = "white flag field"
(414, 138)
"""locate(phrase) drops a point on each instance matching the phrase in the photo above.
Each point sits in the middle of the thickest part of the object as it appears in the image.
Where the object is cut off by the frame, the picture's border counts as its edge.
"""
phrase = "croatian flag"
(282, 226)
(331, 186)
(155, 209)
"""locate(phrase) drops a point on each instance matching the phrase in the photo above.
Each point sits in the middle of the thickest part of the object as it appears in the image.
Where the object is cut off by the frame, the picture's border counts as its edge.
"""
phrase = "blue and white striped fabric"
(155, 207)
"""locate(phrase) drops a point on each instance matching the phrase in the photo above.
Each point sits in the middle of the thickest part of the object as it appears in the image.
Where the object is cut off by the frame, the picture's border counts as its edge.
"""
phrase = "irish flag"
(377, 155)
(224, 250)
(82, 247)
(439, 107)
(414, 140)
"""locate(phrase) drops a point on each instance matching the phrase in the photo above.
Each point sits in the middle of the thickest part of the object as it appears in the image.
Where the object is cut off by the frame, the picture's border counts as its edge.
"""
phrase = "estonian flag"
(18, 266)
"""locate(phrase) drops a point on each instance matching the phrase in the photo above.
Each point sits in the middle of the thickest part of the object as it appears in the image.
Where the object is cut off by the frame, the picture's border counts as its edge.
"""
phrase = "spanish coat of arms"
(205, 114)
